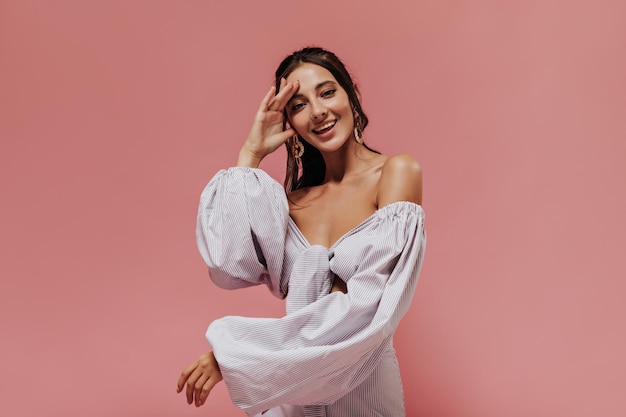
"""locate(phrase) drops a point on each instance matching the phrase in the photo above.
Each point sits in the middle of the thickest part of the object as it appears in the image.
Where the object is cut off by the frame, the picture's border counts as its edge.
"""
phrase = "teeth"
(324, 127)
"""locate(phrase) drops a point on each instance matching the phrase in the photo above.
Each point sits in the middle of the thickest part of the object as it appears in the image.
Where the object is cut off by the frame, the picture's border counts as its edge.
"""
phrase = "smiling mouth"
(324, 128)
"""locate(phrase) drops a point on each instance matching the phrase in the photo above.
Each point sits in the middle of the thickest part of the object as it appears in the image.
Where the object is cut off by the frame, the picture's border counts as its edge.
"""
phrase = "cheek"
(341, 105)
(298, 120)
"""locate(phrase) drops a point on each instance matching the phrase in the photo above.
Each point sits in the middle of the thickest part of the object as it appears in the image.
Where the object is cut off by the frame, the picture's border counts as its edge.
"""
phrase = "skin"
(357, 181)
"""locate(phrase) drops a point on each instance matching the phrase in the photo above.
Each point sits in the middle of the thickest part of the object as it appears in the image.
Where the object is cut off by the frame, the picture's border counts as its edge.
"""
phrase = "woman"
(344, 246)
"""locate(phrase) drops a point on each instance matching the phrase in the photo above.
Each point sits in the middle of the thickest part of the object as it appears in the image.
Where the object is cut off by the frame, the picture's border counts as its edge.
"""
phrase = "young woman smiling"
(343, 242)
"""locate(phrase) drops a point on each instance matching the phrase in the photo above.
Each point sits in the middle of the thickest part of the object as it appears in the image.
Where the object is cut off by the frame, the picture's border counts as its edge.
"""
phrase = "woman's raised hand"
(267, 134)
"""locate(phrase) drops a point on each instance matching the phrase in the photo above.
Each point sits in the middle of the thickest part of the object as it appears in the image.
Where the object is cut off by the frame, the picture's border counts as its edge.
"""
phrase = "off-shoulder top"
(331, 354)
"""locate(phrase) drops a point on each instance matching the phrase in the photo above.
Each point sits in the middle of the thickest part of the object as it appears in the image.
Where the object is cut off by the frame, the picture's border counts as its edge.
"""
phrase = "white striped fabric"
(332, 354)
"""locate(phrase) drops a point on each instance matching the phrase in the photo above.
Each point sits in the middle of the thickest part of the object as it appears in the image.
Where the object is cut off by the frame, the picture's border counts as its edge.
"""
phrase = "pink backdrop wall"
(113, 115)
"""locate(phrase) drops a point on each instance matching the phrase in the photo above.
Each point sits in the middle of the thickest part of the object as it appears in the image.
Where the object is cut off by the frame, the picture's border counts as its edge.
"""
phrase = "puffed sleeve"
(242, 221)
(322, 351)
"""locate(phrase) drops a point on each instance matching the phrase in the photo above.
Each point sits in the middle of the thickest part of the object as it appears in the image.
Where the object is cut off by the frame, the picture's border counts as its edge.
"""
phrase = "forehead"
(310, 75)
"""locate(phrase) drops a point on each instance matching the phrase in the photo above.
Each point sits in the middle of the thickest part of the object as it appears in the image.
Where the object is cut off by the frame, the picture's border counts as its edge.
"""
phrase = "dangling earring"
(297, 148)
(358, 132)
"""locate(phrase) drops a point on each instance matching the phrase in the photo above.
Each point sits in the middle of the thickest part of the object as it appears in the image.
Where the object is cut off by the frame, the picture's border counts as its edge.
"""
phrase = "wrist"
(248, 159)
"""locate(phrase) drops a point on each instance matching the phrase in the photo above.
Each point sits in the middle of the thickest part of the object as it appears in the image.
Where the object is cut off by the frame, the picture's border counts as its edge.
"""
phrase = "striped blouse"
(331, 355)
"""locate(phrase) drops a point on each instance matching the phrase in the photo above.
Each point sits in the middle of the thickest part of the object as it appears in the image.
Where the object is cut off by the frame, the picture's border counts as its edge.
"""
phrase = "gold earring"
(297, 148)
(358, 135)
(358, 132)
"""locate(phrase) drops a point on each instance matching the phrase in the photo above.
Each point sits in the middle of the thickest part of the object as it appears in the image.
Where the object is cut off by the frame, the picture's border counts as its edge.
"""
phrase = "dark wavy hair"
(313, 166)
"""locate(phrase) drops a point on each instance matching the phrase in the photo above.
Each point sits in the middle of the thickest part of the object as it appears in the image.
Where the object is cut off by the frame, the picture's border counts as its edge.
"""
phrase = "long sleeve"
(325, 349)
(241, 227)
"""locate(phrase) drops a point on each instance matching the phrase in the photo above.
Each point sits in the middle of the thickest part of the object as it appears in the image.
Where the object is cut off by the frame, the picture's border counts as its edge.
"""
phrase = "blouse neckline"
(376, 214)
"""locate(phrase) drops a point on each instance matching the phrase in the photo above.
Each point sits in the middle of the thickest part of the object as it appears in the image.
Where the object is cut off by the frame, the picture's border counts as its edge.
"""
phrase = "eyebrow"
(317, 87)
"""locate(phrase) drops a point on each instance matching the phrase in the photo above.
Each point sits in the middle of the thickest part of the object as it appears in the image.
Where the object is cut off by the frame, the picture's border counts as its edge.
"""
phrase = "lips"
(324, 128)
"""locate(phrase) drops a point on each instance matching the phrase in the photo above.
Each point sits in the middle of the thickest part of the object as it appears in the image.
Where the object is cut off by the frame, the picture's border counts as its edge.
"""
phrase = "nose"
(318, 112)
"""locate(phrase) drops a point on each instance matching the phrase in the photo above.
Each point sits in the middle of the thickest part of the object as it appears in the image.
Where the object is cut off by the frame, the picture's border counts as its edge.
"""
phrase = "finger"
(266, 100)
(206, 389)
(276, 103)
(287, 134)
(285, 95)
(287, 90)
(199, 388)
(191, 382)
(184, 376)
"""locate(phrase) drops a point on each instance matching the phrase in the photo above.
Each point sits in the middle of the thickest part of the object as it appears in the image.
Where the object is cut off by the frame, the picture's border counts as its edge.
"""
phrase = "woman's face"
(320, 109)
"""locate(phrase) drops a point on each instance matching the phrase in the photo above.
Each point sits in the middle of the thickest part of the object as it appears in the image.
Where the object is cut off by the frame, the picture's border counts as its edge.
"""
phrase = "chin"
(329, 146)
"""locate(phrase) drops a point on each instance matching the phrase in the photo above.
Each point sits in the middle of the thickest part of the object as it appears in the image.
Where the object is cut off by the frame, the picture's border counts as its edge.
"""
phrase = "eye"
(328, 93)
(297, 106)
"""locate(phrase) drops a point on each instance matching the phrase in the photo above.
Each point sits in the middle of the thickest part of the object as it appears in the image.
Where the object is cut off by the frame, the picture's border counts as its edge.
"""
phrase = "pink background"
(114, 115)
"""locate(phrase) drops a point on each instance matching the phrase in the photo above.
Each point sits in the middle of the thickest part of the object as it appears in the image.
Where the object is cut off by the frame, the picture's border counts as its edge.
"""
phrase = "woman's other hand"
(200, 377)
(267, 134)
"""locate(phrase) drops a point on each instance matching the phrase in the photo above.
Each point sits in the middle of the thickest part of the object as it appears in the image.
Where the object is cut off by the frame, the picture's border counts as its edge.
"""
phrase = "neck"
(348, 160)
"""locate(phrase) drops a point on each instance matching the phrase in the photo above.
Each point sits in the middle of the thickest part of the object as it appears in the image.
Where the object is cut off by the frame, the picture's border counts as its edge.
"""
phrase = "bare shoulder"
(400, 180)
(403, 163)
